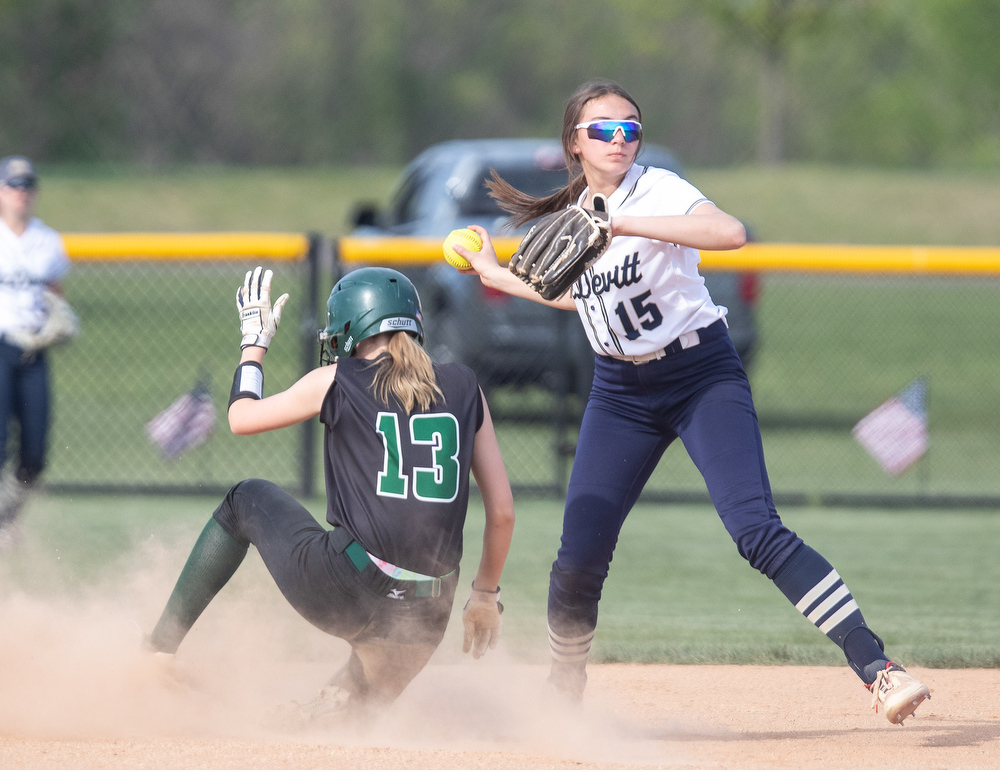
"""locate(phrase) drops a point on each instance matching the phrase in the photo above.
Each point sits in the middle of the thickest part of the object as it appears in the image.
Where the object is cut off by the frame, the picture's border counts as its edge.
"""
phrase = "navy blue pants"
(700, 395)
(24, 395)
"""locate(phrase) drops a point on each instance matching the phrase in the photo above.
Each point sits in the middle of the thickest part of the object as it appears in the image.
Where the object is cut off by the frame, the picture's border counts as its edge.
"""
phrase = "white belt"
(685, 341)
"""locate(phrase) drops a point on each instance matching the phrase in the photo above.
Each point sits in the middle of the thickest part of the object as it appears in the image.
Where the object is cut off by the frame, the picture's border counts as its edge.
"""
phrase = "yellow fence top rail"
(408, 251)
(235, 245)
(800, 257)
(789, 257)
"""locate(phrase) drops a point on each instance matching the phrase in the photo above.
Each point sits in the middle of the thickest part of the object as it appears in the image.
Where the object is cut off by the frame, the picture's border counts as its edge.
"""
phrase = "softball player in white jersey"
(32, 264)
(665, 369)
(643, 294)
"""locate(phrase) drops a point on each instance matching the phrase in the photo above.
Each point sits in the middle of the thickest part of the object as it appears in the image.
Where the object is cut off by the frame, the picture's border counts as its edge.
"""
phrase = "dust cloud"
(72, 668)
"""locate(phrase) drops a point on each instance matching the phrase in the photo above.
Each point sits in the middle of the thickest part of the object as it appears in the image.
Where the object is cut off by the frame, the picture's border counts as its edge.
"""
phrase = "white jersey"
(643, 294)
(27, 264)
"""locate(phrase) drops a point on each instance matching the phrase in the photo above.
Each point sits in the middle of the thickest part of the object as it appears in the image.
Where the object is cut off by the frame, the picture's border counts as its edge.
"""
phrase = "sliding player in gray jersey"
(401, 436)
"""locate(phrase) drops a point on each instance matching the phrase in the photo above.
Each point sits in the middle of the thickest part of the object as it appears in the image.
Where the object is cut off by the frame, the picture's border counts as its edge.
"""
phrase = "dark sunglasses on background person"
(605, 130)
(22, 183)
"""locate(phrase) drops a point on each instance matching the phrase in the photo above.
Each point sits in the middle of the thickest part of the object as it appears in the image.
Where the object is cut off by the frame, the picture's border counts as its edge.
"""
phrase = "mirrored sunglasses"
(605, 130)
(22, 183)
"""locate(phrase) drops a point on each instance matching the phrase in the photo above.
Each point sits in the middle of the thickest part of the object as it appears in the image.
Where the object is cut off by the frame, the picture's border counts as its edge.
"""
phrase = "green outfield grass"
(812, 204)
(678, 591)
(209, 198)
(817, 204)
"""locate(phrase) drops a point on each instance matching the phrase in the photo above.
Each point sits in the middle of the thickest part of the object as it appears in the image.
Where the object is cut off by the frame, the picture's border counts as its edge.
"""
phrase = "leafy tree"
(50, 85)
(771, 27)
(968, 31)
(890, 82)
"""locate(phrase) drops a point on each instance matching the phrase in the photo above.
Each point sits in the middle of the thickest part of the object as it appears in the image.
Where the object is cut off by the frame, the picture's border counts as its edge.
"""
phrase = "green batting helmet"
(367, 302)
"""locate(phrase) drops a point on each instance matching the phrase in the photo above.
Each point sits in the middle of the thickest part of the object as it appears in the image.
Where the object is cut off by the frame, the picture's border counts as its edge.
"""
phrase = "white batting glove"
(258, 320)
(481, 618)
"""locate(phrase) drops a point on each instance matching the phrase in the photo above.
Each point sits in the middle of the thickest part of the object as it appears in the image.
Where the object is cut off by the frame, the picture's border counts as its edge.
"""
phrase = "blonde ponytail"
(407, 374)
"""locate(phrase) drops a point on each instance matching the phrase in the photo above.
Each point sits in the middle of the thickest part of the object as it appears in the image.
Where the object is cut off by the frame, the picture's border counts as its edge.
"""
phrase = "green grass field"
(816, 204)
(790, 203)
(678, 590)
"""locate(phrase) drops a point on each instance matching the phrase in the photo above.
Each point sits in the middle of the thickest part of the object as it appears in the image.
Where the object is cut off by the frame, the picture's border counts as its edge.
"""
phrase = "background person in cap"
(33, 316)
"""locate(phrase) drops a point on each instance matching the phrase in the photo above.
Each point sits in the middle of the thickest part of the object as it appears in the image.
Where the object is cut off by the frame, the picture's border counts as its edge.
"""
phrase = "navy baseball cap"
(16, 167)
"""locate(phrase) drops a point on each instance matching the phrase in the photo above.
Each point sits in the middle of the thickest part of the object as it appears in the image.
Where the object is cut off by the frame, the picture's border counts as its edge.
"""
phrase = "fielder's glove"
(258, 320)
(561, 246)
(481, 618)
(61, 325)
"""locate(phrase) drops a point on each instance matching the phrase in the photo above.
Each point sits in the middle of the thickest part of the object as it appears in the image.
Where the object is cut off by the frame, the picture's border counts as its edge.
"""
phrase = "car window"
(404, 206)
(537, 182)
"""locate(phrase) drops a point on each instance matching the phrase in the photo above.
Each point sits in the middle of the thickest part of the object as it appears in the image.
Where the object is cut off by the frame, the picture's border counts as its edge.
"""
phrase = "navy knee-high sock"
(816, 589)
(213, 560)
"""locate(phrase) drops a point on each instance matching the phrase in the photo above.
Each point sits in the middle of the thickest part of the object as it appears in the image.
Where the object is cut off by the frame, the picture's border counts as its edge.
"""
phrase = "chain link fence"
(829, 347)
(826, 341)
(154, 330)
(834, 347)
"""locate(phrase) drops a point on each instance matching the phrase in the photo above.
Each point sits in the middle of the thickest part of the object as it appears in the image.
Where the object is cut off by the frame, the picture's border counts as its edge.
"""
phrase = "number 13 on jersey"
(437, 483)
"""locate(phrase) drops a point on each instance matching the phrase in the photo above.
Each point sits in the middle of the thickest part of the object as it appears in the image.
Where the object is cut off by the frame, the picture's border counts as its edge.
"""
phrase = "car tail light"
(494, 295)
(749, 288)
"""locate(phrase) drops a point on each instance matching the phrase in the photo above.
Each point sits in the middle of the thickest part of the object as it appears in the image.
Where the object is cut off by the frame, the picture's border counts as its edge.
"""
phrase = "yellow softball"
(469, 239)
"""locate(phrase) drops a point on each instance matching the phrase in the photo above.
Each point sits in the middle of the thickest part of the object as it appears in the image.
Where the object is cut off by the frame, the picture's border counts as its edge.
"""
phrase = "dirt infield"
(77, 692)
(495, 714)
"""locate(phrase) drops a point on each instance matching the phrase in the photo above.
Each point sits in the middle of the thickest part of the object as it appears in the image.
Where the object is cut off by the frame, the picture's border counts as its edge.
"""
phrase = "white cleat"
(330, 701)
(328, 708)
(897, 693)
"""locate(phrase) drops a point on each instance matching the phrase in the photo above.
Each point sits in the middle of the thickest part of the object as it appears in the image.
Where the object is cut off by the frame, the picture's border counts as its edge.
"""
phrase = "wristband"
(259, 340)
(248, 382)
(483, 590)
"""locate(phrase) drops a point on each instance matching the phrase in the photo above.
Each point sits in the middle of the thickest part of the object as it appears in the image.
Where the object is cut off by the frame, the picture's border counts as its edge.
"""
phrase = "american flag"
(895, 433)
(186, 423)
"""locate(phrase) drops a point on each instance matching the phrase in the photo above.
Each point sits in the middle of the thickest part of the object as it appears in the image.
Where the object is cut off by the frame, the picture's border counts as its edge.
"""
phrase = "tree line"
(904, 83)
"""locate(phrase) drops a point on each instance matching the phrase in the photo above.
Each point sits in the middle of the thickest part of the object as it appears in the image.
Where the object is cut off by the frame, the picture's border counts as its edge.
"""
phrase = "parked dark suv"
(509, 340)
